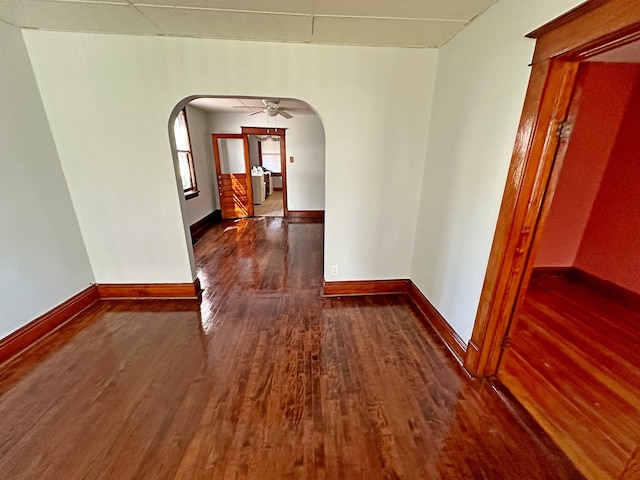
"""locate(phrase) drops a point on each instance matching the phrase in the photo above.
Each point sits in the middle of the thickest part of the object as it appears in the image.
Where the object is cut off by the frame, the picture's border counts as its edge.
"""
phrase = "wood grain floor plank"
(573, 363)
(264, 379)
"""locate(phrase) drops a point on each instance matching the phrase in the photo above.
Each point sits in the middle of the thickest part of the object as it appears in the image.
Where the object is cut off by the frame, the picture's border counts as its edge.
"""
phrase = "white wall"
(202, 151)
(304, 141)
(481, 82)
(43, 261)
(108, 105)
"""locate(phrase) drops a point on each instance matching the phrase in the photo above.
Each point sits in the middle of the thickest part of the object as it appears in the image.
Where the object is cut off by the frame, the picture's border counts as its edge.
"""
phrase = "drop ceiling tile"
(463, 10)
(279, 6)
(383, 32)
(122, 2)
(72, 16)
(233, 25)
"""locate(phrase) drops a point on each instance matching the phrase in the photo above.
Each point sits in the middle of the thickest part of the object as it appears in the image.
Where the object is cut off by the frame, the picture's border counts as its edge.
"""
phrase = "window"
(185, 158)
(271, 153)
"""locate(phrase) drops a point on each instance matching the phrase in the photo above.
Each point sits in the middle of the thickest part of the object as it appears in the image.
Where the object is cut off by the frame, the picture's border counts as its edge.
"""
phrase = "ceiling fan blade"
(284, 114)
(256, 112)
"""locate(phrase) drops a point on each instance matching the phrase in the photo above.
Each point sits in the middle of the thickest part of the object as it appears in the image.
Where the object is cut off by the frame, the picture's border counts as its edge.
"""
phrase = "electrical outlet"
(334, 270)
(291, 159)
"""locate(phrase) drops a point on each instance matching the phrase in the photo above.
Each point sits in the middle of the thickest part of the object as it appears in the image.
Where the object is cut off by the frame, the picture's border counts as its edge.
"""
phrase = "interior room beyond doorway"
(572, 359)
(266, 160)
(303, 191)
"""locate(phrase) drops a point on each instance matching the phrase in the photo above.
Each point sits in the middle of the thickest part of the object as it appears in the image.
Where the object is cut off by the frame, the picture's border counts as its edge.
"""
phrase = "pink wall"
(610, 247)
(606, 89)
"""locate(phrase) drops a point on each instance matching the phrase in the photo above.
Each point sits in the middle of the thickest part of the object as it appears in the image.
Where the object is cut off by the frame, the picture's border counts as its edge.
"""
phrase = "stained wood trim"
(37, 329)
(200, 227)
(431, 316)
(551, 272)
(263, 131)
(553, 77)
(566, 18)
(615, 292)
(311, 214)
(428, 313)
(364, 287)
(592, 28)
(247, 165)
(150, 290)
(527, 181)
(283, 169)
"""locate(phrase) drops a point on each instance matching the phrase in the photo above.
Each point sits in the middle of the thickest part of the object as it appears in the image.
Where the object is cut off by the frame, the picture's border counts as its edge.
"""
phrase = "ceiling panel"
(404, 23)
(463, 10)
(83, 17)
(378, 32)
(222, 24)
(281, 6)
(122, 2)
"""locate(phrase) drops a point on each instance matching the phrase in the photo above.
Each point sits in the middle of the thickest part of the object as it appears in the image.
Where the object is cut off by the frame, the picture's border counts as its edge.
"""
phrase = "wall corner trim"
(350, 288)
(34, 331)
(434, 318)
(310, 214)
(202, 226)
(427, 313)
(150, 291)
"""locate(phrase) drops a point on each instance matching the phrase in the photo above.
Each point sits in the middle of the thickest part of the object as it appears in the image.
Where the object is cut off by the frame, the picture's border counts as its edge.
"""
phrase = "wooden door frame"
(590, 29)
(280, 132)
(247, 165)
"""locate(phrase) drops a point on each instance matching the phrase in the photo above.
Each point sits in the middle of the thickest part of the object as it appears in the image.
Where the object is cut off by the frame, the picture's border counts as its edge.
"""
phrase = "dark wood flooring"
(262, 380)
(574, 364)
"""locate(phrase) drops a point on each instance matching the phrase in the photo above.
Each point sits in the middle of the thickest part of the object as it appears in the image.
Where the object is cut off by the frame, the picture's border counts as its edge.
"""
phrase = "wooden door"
(231, 155)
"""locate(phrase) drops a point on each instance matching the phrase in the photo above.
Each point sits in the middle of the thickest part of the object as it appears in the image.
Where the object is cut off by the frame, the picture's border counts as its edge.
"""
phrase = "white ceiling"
(403, 23)
(248, 105)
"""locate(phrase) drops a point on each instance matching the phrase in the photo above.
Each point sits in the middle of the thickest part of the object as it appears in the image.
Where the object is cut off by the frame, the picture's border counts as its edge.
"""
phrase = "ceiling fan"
(272, 108)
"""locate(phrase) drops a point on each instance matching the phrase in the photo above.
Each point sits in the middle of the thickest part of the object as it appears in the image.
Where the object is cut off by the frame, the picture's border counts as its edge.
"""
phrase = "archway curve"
(297, 206)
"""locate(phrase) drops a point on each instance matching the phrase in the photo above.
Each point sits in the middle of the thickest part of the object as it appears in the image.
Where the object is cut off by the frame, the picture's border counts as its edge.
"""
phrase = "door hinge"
(565, 129)
(506, 342)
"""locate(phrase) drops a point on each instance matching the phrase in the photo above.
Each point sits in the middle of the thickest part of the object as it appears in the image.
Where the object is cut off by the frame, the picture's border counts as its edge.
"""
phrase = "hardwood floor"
(264, 380)
(271, 207)
(574, 364)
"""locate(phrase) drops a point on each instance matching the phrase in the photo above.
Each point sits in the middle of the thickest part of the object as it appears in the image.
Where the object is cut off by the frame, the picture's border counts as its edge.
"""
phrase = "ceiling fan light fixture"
(271, 112)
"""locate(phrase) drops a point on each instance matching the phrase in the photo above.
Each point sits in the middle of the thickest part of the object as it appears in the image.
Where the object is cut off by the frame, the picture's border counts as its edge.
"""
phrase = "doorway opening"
(574, 333)
(251, 172)
(558, 315)
(267, 158)
(270, 159)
